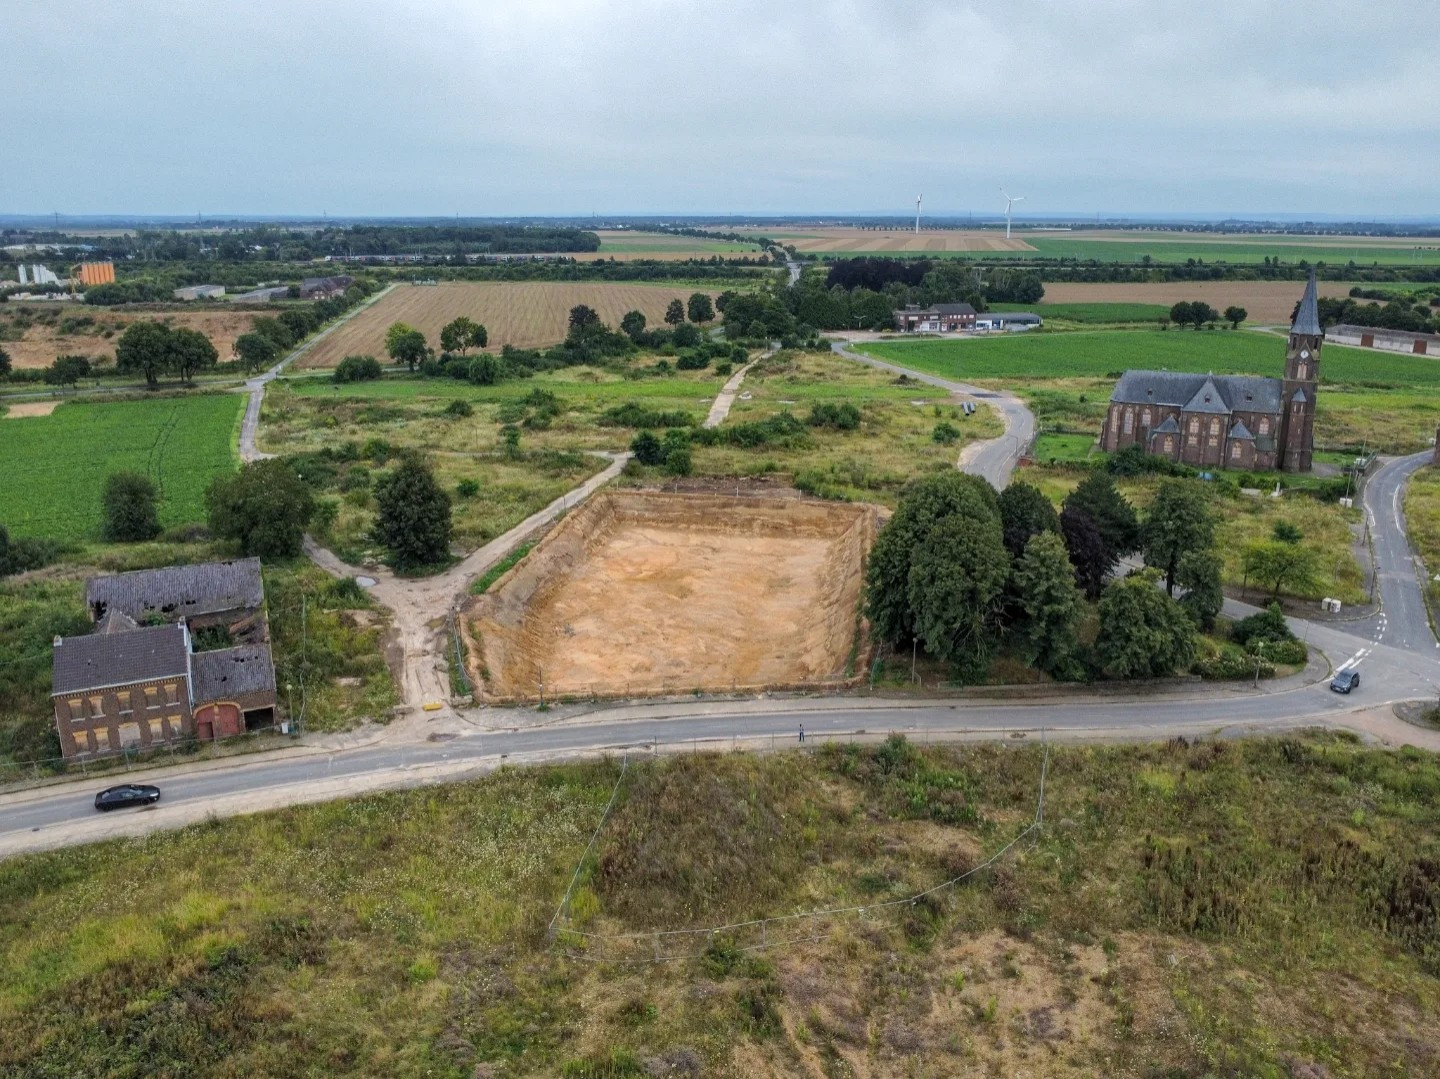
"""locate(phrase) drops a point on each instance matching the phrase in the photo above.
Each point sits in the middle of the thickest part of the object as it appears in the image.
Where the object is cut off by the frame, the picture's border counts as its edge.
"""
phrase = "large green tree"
(1047, 631)
(1025, 512)
(1098, 496)
(461, 334)
(1179, 520)
(633, 324)
(130, 508)
(5, 365)
(1143, 632)
(67, 370)
(1199, 574)
(406, 346)
(413, 515)
(923, 503)
(256, 351)
(675, 312)
(191, 352)
(957, 575)
(265, 508)
(1282, 566)
(1090, 556)
(699, 308)
(144, 349)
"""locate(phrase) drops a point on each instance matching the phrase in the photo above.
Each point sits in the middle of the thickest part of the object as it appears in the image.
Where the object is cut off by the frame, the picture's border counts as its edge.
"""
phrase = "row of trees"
(1198, 313)
(964, 571)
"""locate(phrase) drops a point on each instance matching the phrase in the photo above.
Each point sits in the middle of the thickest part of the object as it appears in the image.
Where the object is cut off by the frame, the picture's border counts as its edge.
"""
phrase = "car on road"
(1345, 681)
(127, 794)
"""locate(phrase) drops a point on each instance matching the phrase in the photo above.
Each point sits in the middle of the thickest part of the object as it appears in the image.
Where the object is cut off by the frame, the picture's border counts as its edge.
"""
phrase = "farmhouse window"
(152, 697)
(157, 730)
(77, 709)
(172, 694)
(84, 742)
(124, 698)
(129, 734)
(97, 708)
(1129, 421)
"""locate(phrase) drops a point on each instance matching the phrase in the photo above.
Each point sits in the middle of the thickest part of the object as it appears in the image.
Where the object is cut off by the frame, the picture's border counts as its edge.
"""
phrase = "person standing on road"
(802, 734)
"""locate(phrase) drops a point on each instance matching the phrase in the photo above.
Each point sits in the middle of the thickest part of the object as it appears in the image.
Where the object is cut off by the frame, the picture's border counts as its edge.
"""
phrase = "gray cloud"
(563, 106)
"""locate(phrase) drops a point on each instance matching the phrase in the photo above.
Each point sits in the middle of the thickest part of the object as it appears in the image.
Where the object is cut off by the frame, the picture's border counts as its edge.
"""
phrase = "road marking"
(1353, 661)
(1399, 525)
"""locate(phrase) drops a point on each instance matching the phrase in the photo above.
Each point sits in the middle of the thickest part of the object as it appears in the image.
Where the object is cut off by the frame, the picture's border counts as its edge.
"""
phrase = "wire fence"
(760, 934)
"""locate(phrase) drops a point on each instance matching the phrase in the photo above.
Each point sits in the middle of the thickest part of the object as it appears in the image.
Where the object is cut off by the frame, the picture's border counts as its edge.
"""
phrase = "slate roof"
(117, 659)
(1307, 315)
(178, 591)
(1246, 393)
(1207, 399)
(227, 673)
(1241, 431)
(1168, 426)
(954, 309)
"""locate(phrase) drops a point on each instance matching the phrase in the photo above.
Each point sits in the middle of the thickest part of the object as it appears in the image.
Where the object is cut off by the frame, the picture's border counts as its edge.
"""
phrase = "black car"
(127, 794)
(1345, 681)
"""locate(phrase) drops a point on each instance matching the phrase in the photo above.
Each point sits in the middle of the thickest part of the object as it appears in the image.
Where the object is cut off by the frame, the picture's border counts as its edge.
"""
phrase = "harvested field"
(1266, 301)
(640, 593)
(877, 241)
(625, 245)
(527, 314)
(30, 408)
(34, 334)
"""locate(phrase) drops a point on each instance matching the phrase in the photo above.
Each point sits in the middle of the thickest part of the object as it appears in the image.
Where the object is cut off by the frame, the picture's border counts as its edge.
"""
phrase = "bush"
(723, 368)
(130, 508)
(945, 433)
(357, 369)
(485, 370)
(459, 409)
(844, 417)
(678, 461)
(648, 449)
(1268, 626)
(467, 488)
(632, 414)
(692, 360)
(1230, 664)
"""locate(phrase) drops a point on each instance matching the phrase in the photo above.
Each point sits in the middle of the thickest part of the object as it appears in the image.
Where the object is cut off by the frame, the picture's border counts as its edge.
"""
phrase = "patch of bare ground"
(29, 408)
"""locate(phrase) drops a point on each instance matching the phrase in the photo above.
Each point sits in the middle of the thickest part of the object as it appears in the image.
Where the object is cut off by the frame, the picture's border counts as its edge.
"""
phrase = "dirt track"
(641, 592)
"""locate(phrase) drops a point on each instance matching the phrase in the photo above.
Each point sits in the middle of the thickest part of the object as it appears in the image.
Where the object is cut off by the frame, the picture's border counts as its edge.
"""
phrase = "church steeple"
(1302, 377)
(1307, 315)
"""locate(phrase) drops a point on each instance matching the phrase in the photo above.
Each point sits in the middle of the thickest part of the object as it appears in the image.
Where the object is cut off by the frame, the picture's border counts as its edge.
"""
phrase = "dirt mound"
(642, 593)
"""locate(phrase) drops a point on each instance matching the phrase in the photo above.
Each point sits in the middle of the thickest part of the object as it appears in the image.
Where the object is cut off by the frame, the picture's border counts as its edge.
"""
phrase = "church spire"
(1307, 315)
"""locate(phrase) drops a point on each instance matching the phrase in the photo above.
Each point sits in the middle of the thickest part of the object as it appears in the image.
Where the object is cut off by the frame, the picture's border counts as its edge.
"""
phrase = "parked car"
(1345, 681)
(127, 794)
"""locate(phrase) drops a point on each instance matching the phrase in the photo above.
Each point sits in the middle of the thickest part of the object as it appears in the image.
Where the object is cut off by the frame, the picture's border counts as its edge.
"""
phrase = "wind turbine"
(1008, 203)
(918, 198)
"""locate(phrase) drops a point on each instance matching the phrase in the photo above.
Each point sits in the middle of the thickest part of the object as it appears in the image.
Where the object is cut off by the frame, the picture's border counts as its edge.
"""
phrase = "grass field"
(525, 314)
(1235, 908)
(56, 464)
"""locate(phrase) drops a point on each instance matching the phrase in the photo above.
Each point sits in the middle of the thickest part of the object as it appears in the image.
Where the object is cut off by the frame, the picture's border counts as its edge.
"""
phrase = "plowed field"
(526, 314)
(1264, 301)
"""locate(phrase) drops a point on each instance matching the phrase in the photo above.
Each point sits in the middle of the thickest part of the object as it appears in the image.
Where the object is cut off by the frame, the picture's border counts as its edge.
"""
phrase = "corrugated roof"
(116, 659)
(1307, 315)
(227, 673)
(178, 591)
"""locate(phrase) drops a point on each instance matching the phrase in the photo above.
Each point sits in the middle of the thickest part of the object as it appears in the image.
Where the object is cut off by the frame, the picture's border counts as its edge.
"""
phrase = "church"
(1226, 421)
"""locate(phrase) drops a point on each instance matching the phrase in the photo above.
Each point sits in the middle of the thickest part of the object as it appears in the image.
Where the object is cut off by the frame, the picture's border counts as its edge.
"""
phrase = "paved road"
(1402, 620)
(996, 458)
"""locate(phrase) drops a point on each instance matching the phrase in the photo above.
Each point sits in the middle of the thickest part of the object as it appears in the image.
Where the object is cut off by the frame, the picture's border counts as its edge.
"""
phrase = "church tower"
(1302, 376)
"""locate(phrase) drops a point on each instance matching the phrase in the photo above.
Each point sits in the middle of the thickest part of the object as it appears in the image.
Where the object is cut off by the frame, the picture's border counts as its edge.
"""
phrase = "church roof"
(1241, 431)
(1307, 315)
(1299, 396)
(1245, 393)
(1207, 399)
(1168, 426)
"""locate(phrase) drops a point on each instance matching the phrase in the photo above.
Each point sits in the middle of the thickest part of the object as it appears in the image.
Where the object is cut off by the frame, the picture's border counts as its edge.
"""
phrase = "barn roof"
(228, 673)
(178, 591)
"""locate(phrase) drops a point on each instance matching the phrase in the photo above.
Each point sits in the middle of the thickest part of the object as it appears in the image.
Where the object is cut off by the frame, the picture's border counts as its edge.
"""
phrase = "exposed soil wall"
(642, 592)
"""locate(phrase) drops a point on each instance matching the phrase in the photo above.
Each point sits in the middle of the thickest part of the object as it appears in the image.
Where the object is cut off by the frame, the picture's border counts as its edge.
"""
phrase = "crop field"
(34, 334)
(1091, 314)
(853, 241)
(1228, 907)
(55, 465)
(626, 245)
(1264, 301)
(526, 314)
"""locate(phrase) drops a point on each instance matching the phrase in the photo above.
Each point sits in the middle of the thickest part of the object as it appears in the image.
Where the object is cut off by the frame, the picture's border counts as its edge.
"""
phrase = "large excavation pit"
(644, 593)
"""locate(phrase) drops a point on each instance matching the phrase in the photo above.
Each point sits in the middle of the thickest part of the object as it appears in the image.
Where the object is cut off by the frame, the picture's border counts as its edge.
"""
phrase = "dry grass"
(525, 314)
(42, 340)
(853, 241)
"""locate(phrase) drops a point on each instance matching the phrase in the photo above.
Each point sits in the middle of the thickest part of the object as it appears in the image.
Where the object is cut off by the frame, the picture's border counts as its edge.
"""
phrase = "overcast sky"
(484, 107)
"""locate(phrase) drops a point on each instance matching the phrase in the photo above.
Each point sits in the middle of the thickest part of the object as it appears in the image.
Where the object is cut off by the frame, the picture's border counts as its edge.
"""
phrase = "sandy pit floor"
(30, 408)
(643, 593)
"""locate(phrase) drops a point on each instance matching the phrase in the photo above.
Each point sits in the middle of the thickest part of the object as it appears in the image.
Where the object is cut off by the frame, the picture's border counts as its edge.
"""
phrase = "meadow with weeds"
(1251, 907)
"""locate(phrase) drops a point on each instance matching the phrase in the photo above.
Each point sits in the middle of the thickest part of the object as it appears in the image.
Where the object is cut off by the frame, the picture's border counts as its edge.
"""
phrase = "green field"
(1423, 252)
(1099, 353)
(1092, 313)
(55, 465)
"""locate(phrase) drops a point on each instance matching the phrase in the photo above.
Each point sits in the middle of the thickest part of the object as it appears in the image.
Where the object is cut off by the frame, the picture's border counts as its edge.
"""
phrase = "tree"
(412, 518)
(1179, 521)
(298, 321)
(461, 334)
(1047, 631)
(256, 351)
(675, 313)
(485, 370)
(357, 369)
(144, 348)
(700, 309)
(1143, 632)
(265, 507)
(1180, 313)
(687, 335)
(1235, 315)
(1198, 574)
(957, 574)
(129, 506)
(191, 352)
(1098, 496)
(648, 449)
(5, 365)
(923, 504)
(274, 329)
(1090, 556)
(407, 347)
(1201, 313)
(1025, 512)
(1280, 565)
(633, 324)
(393, 333)
(67, 370)
(583, 317)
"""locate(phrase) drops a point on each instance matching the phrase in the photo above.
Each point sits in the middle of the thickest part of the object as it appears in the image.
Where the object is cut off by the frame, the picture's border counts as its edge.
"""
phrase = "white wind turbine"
(918, 198)
(1008, 203)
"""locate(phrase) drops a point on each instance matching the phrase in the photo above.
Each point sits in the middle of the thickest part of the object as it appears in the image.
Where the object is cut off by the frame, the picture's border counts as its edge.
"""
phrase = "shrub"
(844, 417)
(945, 433)
(357, 369)
(692, 360)
(130, 508)
(632, 414)
(459, 409)
(648, 449)
(485, 370)
(723, 368)
(467, 488)
(1267, 626)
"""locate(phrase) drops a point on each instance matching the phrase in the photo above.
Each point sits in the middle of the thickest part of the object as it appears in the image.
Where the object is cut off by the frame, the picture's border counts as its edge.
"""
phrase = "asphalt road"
(1402, 621)
(996, 459)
